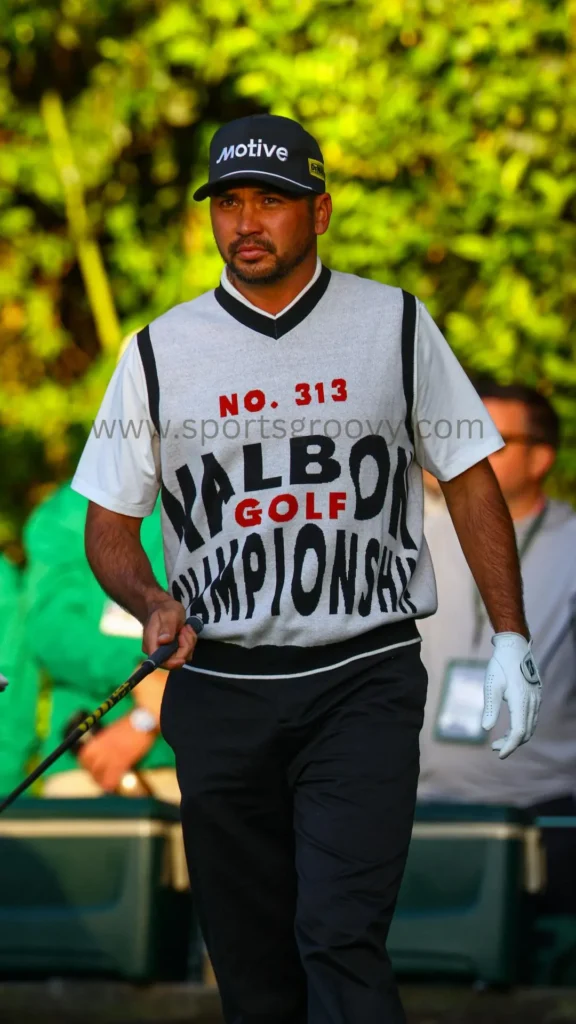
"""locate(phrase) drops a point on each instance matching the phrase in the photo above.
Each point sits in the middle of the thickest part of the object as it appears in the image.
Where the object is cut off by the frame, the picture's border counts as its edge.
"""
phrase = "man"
(297, 537)
(456, 762)
(18, 683)
(101, 646)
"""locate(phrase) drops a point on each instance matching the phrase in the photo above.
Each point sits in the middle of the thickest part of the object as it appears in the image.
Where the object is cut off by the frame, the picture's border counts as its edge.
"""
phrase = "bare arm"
(486, 534)
(119, 747)
(123, 569)
(148, 694)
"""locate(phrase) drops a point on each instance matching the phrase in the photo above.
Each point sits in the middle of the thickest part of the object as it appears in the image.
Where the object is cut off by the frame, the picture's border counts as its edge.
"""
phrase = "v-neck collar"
(275, 326)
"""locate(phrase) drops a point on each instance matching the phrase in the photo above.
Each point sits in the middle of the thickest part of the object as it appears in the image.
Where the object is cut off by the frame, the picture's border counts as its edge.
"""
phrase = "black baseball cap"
(265, 147)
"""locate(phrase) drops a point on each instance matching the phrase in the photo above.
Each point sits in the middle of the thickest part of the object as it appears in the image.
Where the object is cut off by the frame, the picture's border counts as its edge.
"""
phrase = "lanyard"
(480, 616)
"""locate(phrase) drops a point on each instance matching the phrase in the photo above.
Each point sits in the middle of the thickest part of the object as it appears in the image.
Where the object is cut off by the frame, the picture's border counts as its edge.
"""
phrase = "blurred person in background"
(18, 701)
(88, 645)
(456, 760)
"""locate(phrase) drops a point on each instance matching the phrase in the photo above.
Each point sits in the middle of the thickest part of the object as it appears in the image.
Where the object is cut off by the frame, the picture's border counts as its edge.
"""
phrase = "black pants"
(298, 799)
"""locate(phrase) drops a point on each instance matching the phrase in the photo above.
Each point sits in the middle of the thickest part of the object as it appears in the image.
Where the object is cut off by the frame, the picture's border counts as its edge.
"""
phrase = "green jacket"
(18, 702)
(72, 621)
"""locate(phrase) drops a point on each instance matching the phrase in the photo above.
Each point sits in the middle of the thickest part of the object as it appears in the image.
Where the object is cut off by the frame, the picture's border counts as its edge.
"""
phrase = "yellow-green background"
(448, 129)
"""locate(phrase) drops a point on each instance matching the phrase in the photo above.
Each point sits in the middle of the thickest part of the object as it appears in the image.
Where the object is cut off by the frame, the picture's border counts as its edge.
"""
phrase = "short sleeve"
(120, 465)
(452, 428)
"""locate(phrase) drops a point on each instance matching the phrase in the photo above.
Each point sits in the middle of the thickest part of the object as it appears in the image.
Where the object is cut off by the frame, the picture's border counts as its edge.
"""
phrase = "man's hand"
(113, 752)
(165, 622)
(512, 676)
(122, 567)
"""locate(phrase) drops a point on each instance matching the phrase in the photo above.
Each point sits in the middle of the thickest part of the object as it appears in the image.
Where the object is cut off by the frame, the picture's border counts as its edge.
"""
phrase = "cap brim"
(282, 184)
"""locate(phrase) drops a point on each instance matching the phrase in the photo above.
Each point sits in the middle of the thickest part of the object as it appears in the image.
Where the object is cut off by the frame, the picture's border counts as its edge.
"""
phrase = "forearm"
(119, 562)
(486, 534)
(148, 694)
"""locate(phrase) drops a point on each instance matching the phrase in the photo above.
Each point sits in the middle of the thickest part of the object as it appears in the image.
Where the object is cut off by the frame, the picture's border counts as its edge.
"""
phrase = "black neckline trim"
(285, 321)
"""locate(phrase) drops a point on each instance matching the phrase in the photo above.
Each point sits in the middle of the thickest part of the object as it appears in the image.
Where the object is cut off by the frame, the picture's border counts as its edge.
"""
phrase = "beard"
(280, 269)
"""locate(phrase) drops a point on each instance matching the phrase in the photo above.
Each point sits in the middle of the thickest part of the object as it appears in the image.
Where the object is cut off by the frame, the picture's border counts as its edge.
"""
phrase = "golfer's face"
(258, 230)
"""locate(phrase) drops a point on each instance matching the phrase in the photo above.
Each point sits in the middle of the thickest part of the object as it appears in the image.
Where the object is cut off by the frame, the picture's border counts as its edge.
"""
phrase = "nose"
(248, 222)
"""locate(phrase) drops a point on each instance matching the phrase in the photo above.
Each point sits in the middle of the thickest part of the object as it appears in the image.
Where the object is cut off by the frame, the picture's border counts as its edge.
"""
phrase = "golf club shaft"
(151, 663)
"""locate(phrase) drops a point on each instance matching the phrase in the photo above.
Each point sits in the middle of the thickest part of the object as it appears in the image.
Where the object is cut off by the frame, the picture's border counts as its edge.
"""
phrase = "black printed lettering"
(405, 595)
(198, 605)
(216, 492)
(372, 555)
(386, 582)
(344, 573)
(301, 458)
(368, 506)
(280, 569)
(399, 510)
(309, 538)
(187, 588)
(225, 585)
(254, 575)
(181, 515)
(253, 470)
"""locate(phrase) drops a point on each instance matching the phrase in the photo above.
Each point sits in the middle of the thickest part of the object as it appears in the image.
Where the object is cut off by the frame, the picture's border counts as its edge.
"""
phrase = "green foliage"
(448, 130)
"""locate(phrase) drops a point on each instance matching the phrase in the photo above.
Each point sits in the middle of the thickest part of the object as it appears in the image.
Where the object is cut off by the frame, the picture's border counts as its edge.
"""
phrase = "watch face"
(143, 720)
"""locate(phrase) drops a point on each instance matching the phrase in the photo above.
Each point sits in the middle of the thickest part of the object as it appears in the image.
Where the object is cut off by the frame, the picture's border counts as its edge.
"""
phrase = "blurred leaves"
(448, 129)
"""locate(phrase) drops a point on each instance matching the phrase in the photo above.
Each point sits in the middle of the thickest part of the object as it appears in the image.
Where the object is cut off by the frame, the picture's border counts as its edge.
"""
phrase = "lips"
(250, 251)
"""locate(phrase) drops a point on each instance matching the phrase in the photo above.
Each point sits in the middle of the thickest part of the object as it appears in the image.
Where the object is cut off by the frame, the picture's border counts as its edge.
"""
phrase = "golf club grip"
(165, 651)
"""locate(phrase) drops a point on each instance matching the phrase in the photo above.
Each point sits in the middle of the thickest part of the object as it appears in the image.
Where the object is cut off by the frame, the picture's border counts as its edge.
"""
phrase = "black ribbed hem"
(278, 662)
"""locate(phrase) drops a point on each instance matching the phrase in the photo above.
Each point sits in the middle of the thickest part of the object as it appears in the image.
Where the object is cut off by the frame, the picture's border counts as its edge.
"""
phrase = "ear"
(542, 458)
(322, 213)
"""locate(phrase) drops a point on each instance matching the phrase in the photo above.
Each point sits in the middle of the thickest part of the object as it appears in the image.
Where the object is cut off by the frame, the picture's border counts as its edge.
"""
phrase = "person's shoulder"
(64, 509)
(365, 289)
(193, 309)
(561, 518)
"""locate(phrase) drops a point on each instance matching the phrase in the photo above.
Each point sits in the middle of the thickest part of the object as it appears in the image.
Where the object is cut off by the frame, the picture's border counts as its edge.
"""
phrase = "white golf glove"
(512, 676)
(3, 682)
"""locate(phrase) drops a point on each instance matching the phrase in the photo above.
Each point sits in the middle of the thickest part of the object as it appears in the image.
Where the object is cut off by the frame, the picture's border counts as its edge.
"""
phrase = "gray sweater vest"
(291, 498)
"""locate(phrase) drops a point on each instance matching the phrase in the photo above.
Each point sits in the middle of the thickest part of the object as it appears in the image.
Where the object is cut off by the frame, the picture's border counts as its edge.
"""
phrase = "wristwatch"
(143, 720)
